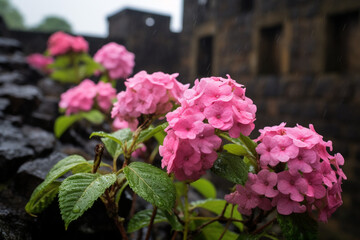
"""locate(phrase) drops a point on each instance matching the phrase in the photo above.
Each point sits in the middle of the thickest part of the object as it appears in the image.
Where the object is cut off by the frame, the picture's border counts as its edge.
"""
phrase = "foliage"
(298, 226)
(52, 24)
(78, 192)
(11, 15)
(62, 123)
(152, 184)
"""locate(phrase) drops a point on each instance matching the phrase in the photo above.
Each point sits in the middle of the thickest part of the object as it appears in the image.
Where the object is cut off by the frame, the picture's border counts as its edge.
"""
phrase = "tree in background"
(11, 15)
(52, 24)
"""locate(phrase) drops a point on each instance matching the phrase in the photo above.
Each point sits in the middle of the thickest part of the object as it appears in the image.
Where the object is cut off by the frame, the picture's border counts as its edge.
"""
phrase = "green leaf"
(172, 219)
(90, 66)
(152, 184)
(298, 226)
(120, 137)
(150, 132)
(142, 219)
(231, 167)
(62, 123)
(61, 61)
(67, 75)
(38, 202)
(235, 149)
(205, 187)
(94, 116)
(247, 144)
(47, 187)
(248, 236)
(217, 206)
(78, 193)
(250, 144)
(113, 148)
(214, 230)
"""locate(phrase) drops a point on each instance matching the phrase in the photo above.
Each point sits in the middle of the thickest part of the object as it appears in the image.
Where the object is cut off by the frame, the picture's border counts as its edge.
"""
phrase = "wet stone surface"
(23, 99)
(12, 77)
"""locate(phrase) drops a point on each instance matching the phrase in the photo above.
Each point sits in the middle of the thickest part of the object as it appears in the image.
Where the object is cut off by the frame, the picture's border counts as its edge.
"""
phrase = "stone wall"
(300, 64)
(149, 37)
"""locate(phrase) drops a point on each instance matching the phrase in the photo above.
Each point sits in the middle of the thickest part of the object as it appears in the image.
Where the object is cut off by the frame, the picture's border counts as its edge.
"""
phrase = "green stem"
(128, 151)
(153, 154)
(114, 164)
(120, 171)
(186, 211)
(119, 192)
(75, 61)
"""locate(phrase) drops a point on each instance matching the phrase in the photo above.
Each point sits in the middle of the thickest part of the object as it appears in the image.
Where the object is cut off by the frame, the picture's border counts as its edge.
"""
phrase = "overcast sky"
(89, 16)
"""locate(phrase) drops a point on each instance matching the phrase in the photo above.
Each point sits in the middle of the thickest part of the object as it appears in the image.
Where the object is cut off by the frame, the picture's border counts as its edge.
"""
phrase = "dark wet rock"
(12, 226)
(41, 141)
(4, 104)
(13, 62)
(15, 120)
(13, 149)
(42, 120)
(18, 145)
(24, 99)
(52, 88)
(49, 105)
(12, 155)
(8, 45)
(12, 77)
(32, 173)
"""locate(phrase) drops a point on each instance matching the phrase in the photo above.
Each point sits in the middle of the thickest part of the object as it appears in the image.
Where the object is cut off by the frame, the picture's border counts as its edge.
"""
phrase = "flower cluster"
(146, 94)
(39, 62)
(297, 174)
(116, 60)
(61, 43)
(189, 148)
(83, 96)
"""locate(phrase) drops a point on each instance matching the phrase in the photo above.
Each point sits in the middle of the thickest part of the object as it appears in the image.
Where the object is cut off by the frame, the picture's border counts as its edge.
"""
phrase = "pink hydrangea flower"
(147, 94)
(119, 123)
(116, 60)
(264, 150)
(303, 162)
(265, 183)
(105, 94)
(60, 43)
(303, 137)
(285, 205)
(295, 186)
(207, 141)
(283, 148)
(39, 62)
(213, 103)
(79, 98)
(245, 198)
(184, 157)
(83, 96)
(308, 177)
